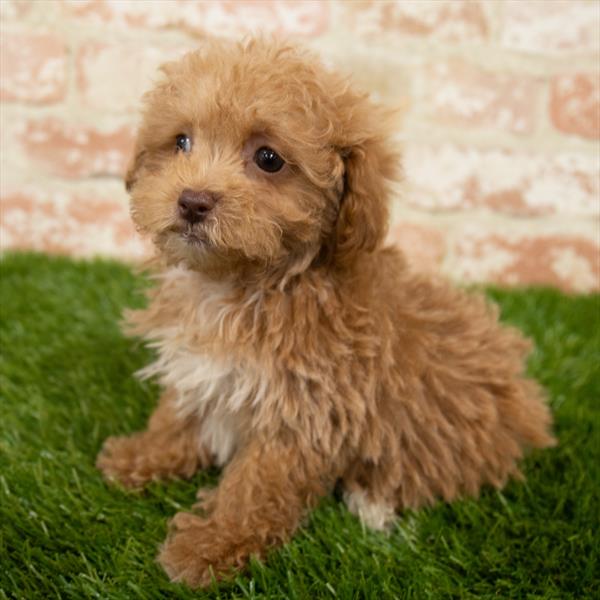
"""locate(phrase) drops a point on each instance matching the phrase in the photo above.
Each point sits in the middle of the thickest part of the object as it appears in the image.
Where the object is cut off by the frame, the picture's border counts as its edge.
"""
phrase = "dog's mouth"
(192, 235)
(193, 238)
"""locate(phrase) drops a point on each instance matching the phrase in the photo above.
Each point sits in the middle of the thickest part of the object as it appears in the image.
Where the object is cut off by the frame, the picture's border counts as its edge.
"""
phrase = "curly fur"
(295, 349)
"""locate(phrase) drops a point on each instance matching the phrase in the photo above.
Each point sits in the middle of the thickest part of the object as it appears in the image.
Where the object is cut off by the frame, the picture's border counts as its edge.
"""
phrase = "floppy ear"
(133, 167)
(144, 132)
(371, 165)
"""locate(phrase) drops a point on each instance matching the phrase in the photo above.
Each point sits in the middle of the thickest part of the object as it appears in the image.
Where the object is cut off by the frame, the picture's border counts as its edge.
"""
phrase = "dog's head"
(255, 154)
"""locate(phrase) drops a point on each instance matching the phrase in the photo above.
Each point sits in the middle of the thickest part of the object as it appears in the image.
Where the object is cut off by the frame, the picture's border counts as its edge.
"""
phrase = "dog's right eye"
(268, 160)
(183, 143)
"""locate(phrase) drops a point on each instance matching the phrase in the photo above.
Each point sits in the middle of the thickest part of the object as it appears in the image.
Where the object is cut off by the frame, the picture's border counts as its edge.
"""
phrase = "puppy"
(295, 350)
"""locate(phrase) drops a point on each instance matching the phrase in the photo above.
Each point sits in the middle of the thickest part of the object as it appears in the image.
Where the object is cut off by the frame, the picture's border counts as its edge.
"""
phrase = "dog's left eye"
(183, 143)
(268, 160)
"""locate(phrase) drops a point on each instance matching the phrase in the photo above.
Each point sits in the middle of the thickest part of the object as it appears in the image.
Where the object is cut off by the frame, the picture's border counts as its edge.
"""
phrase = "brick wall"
(501, 126)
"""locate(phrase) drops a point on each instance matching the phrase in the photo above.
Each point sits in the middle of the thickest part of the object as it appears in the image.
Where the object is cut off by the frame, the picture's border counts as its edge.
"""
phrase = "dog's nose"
(194, 206)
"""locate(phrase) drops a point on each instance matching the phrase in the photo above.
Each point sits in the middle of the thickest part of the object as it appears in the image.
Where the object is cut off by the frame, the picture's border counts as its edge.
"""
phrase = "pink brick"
(462, 94)
(11, 11)
(224, 18)
(451, 178)
(448, 20)
(551, 26)
(75, 150)
(569, 262)
(113, 77)
(79, 224)
(575, 104)
(33, 67)
(424, 247)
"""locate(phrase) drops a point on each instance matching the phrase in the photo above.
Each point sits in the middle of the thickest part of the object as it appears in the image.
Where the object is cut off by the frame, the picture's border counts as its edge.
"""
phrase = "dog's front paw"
(196, 553)
(120, 461)
(207, 501)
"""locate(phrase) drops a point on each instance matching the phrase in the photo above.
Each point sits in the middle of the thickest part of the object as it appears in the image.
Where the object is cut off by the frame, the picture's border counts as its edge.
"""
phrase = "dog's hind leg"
(368, 495)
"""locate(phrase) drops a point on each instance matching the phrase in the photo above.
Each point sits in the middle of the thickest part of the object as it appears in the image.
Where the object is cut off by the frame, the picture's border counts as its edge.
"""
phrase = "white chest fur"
(219, 390)
(215, 391)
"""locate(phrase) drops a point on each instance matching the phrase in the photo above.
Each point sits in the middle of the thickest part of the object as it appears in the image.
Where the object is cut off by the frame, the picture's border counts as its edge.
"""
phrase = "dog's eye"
(183, 143)
(268, 160)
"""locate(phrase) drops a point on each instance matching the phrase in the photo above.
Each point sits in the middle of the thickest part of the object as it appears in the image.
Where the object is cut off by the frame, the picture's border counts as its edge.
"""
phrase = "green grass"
(66, 384)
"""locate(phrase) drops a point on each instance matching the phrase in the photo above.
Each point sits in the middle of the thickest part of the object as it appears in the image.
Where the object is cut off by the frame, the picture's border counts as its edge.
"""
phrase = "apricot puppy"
(294, 349)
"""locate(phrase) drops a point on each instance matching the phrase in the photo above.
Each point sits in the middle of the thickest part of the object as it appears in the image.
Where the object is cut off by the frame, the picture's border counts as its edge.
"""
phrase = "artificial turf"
(66, 384)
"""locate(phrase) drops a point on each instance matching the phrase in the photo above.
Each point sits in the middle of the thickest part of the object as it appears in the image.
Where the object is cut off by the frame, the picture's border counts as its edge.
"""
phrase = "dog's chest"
(209, 381)
(218, 392)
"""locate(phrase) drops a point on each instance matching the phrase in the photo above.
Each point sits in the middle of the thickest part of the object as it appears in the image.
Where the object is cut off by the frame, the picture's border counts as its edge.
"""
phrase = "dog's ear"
(144, 133)
(371, 164)
(135, 164)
